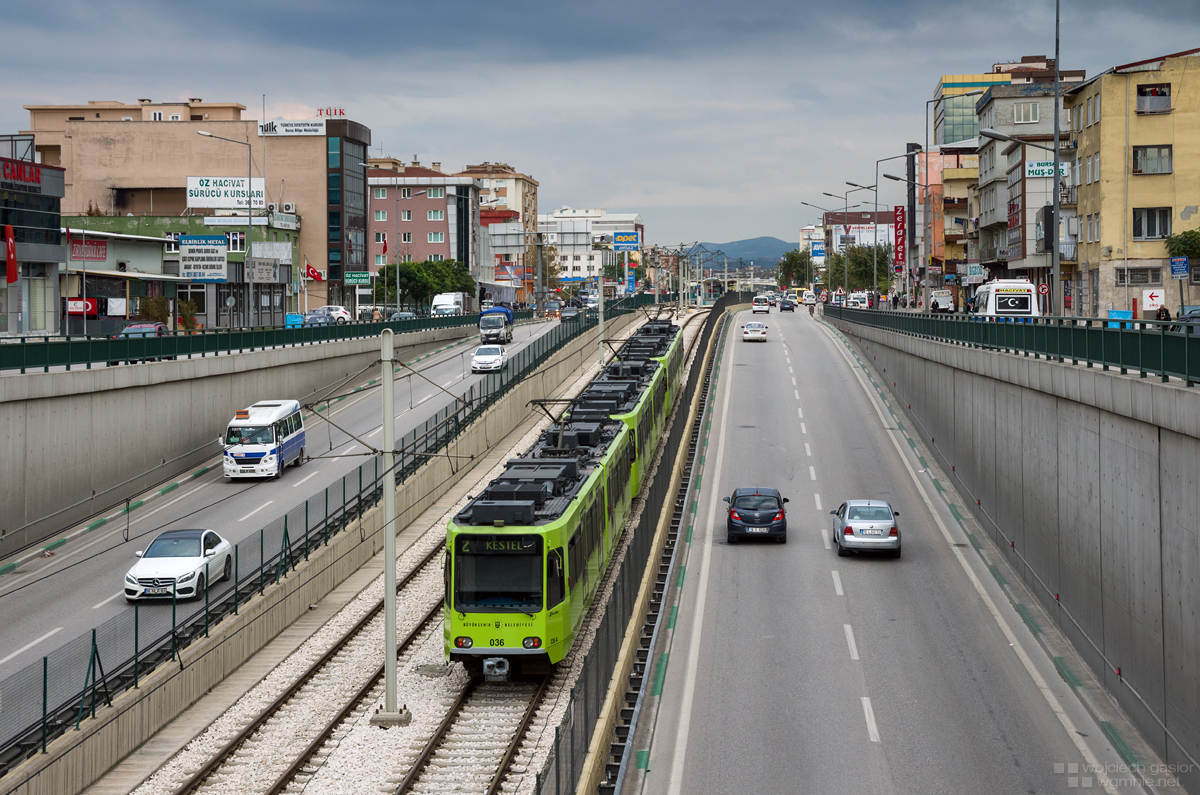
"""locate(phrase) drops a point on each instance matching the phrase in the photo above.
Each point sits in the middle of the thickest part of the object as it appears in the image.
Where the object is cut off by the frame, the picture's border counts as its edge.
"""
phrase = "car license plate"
(158, 591)
(246, 470)
(872, 532)
(756, 529)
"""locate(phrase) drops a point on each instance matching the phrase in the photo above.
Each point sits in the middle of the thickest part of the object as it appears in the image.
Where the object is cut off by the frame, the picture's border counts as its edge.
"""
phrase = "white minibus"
(263, 439)
(1008, 298)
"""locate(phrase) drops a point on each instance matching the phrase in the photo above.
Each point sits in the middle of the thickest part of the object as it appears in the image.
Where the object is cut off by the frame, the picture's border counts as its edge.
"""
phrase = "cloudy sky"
(714, 120)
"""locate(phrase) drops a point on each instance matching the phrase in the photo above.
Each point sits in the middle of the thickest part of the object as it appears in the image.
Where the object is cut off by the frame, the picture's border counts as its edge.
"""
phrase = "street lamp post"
(845, 212)
(248, 259)
(875, 188)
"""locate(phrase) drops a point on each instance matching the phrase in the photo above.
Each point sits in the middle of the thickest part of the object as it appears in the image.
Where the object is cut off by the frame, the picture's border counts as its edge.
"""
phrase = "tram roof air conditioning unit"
(289, 208)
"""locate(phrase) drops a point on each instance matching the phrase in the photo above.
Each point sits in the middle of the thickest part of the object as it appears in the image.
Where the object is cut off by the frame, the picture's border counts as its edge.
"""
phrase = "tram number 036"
(496, 641)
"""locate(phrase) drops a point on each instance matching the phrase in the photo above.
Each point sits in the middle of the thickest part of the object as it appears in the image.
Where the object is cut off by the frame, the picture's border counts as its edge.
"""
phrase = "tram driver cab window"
(555, 579)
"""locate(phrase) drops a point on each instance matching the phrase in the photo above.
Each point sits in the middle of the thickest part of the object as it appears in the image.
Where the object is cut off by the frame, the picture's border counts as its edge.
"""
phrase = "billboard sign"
(361, 278)
(88, 250)
(818, 251)
(266, 270)
(300, 127)
(202, 258)
(1044, 168)
(899, 241)
(625, 241)
(631, 282)
(1179, 267)
(225, 193)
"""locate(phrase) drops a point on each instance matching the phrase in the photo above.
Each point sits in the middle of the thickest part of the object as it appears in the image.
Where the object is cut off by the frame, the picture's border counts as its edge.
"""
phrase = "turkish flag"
(385, 242)
(312, 273)
(10, 252)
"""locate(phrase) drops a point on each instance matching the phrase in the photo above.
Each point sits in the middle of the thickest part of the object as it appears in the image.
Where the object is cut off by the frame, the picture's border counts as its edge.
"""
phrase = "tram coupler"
(495, 669)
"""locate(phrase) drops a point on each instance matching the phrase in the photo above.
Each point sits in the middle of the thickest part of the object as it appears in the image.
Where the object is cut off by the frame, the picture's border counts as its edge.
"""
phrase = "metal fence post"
(326, 516)
(136, 642)
(45, 697)
(174, 601)
(262, 559)
(236, 575)
(306, 528)
(206, 581)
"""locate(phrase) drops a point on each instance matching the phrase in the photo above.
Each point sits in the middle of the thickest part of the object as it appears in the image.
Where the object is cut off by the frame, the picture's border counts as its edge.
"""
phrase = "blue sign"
(631, 282)
(1179, 267)
(573, 278)
(291, 320)
(818, 248)
(625, 241)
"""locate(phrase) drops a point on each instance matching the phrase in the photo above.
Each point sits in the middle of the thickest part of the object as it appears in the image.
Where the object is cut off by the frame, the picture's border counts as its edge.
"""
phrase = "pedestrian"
(933, 306)
(1163, 313)
(377, 315)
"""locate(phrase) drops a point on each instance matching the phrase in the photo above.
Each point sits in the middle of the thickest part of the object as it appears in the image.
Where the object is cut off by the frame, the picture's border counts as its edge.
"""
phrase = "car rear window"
(756, 502)
(868, 514)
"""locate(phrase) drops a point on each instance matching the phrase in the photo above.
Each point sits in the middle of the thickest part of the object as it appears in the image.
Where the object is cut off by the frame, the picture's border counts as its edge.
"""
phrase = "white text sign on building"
(202, 258)
(292, 127)
(1044, 168)
(225, 193)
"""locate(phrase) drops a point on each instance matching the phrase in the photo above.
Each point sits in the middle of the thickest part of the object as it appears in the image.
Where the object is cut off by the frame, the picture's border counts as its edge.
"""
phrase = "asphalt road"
(792, 670)
(48, 603)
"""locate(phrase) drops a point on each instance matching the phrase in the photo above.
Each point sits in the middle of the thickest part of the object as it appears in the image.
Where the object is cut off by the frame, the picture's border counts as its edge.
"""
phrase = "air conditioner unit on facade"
(272, 207)
(289, 207)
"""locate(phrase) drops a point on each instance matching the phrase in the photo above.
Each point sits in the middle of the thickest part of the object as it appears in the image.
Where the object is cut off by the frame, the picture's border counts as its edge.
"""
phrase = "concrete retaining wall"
(1092, 476)
(85, 440)
(78, 759)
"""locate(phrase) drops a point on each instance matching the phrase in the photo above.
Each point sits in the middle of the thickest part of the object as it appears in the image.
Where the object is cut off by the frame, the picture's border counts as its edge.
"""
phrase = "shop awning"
(146, 277)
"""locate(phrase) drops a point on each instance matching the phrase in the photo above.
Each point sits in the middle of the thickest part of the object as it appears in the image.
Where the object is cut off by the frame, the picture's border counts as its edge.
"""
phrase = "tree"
(1185, 244)
(794, 268)
(862, 262)
(421, 281)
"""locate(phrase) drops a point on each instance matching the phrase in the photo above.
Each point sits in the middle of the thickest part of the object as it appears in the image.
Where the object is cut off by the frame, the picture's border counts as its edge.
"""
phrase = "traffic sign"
(1179, 267)
(1043, 289)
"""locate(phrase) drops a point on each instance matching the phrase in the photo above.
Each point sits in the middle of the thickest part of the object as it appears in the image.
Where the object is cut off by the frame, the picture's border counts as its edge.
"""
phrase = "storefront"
(107, 277)
(30, 198)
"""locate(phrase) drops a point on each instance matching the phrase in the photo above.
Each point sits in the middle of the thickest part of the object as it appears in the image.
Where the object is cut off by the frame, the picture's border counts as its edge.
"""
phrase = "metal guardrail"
(1148, 347)
(32, 353)
(49, 697)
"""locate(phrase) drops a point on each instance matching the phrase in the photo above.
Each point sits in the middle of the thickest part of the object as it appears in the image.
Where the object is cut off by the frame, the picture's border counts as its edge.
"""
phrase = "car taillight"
(893, 533)
(778, 517)
(734, 516)
(849, 531)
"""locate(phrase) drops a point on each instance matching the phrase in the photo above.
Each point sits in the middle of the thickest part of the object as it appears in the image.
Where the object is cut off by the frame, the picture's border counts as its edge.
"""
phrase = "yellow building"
(1136, 130)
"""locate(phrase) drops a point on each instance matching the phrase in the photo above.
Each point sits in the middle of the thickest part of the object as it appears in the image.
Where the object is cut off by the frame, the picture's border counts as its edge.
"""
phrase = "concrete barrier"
(77, 759)
(78, 442)
(1091, 476)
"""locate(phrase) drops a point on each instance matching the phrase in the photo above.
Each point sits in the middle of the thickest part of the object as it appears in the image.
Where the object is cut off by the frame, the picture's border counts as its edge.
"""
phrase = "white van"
(263, 439)
(810, 297)
(1006, 298)
(945, 300)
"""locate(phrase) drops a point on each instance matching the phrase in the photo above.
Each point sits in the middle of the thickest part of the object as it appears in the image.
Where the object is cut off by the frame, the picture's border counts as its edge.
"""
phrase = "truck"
(449, 304)
(496, 325)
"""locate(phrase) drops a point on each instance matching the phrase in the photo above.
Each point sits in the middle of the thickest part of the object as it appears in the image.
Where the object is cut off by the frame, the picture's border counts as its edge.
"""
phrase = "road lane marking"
(803, 429)
(800, 411)
(817, 497)
(793, 380)
(675, 781)
(310, 475)
(349, 450)
(797, 391)
(29, 646)
(812, 473)
(109, 599)
(837, 583)
(150, 513)
(872, 729)
(850, 641)
(256, 510)
(790, 370)
(808, 451)
(377, 430)
(824, 538)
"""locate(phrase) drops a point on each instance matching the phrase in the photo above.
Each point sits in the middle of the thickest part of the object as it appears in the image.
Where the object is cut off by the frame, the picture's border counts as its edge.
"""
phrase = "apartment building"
(1135, 131)
(954, 111)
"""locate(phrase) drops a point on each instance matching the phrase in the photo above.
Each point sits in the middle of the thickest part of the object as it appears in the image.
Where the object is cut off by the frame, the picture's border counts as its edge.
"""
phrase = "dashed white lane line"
(349, 450)
(824, 538)
(872, 729)
(850, 641)
(256, 510)
(803, 429)
(790, 370)
(812, 473)
(800, 412)
(309, 476)
(793, 380)
(817, 497)
(377, 430)
(30, 645)
(109, 599)
(797, 391)
(837, 583)
(808, 451)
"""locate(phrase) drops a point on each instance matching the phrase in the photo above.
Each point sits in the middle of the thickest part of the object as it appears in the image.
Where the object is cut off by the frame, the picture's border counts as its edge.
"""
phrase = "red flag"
(385, 242)
(10, 251)
(312, 273)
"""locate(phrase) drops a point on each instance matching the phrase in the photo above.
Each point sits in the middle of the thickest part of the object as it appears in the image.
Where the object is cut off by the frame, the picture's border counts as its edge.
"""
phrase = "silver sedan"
(866, 525)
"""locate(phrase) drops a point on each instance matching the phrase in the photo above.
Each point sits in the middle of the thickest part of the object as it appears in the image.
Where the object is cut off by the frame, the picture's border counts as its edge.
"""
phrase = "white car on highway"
(754, 332)
(488, 358)
(179, 564)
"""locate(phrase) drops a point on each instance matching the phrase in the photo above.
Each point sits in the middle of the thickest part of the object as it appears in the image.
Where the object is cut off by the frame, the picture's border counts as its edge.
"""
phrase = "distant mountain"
(760, 250)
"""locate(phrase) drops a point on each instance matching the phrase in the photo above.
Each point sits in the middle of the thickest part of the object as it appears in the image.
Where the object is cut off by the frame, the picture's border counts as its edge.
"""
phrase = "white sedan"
(754, 332)
(488, 358)
(340, 314)
(179, 564)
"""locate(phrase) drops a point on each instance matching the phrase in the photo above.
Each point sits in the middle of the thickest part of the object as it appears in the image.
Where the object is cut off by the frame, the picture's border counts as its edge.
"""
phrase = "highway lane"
(793, 670)
(80, 586)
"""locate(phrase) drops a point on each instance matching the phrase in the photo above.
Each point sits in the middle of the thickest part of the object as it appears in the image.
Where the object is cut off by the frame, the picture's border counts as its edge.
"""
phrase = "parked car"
(403, 316)
(488, 358)
(339, 313)
(756, 513)
(178, 564)
(137, 330)
(319, 318)
(754, 332)
(1191, 319)
(866, 525)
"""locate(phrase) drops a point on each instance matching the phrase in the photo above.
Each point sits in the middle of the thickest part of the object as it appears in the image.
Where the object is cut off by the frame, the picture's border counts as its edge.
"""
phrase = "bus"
(263, 439)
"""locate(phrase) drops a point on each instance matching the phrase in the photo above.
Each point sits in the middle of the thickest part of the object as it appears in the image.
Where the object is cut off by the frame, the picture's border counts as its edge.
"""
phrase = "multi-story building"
(30, 196)
(570, 230)
(1136, 133)
(503, 188)
(136, 159)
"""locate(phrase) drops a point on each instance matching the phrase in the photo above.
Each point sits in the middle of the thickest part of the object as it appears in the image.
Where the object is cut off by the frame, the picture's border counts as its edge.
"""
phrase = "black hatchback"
(756, 513)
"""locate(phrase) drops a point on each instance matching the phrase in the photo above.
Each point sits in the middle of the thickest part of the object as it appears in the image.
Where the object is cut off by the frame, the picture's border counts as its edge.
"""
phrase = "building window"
(1025, 112)
(406, 193)
(1154, 98)
(380, 237)
(1097, 227)
(1151, 160)
(176, 117)
(436, 215)
(237, 241)
(379, 193)
(1089, 107)
(408, 258)
(436, 193)
(436, 257)
(591, 257)
(335, 189)
(1147, 276)
(1151, 223)
(1089, 228)
(173, 246)
(437, 237)
(335, 152)
(406, 215)
(379, 260)
(577, 258)
(156, 115)
(381, 215)
(335, 226)
(406, 237)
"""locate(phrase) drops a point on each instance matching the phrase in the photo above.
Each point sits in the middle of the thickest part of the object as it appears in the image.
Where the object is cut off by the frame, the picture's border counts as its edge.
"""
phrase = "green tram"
(526, 556)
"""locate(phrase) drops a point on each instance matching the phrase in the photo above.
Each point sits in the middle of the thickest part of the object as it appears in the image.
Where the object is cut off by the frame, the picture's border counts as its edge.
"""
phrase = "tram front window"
(498, 574)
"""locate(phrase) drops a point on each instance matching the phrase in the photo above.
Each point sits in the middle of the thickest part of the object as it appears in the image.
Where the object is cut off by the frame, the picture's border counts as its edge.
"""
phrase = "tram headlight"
(532, 643)
(463, 642)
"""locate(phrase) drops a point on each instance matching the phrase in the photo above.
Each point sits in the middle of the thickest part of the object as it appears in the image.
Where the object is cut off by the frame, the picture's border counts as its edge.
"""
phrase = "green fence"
(34, 353)
(1146, 347)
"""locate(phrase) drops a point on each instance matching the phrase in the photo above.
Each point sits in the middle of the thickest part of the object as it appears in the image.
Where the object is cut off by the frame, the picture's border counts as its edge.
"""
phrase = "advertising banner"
(900, 238)
(202, 258)
(88, 250)
(818, 252)
(81, 306)
(361, 278)
(225, 193)
(292, 127)
(266, 270)
(625, 241)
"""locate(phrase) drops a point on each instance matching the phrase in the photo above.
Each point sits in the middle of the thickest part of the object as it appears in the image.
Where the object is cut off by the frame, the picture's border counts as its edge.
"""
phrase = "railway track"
(338, 664)
(475, 745)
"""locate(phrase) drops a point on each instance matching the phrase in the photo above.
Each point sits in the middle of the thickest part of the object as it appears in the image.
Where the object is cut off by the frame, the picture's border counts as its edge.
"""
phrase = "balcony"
(993, 254)
(1068, 251)
(1068, 195)
(1153, 104)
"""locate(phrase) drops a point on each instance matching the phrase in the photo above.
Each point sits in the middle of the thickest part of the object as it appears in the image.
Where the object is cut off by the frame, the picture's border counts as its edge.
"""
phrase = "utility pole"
(1056, 301)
